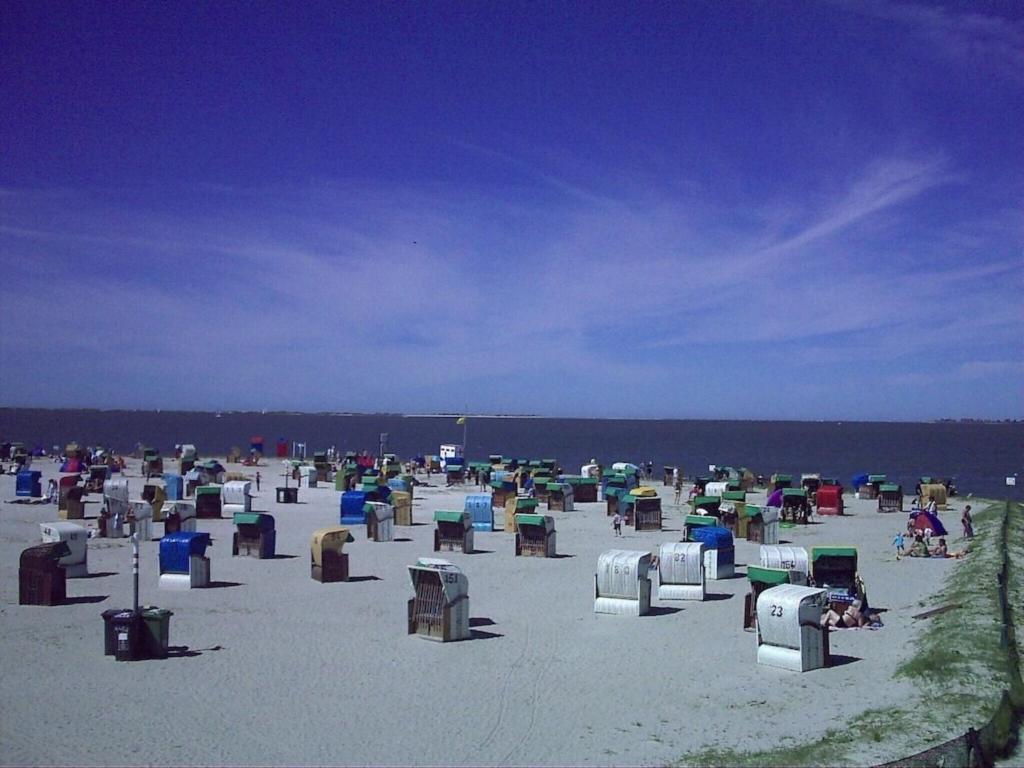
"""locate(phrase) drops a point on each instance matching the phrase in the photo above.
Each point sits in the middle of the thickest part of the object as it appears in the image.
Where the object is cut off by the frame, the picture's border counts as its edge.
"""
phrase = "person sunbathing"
(852, 617)
(942, 551)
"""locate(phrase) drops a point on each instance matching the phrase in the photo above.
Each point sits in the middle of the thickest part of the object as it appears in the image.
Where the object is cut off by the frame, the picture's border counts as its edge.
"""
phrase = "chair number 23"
(776, 610)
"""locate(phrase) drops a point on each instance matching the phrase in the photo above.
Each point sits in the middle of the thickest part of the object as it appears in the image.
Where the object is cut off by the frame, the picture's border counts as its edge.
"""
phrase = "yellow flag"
(461, 420)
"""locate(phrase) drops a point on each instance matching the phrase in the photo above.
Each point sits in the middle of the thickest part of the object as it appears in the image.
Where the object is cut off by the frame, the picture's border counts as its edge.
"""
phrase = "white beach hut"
(787, 558)
(789, 631)
(681, 571)
(716, 488)
(179, 516)
(622, 584)
(140, 515)
(76, 562)
(450, 451)
(380, 521)
(770, 515)
(763, 524)
(308, 474)
(115, 506)
(439, 609)
(236, 496)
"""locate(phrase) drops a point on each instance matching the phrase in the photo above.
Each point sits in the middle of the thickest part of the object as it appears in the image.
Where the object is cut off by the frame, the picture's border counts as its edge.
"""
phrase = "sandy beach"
(281, 669)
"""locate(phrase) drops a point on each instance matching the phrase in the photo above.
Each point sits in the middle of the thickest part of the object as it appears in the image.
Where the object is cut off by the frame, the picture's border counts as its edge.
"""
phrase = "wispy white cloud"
(978, 369)
(960, 36)
(531, 170)
(884, 185)
(429, 290)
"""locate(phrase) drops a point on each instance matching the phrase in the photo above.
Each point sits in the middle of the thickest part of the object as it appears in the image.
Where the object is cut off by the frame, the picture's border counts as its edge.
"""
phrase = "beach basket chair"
(98, 474)
(183, 561)
(810, 482)
(535, 535)
(76, 562)
(789, 631)
(208, 501)
(380, 521)
(795, 505)
(829, 500)
(890, 498)
(328, 560)
(834, 569)
(584, 489)
(41, 578)
(255, 535)
(643, 509)
(622, 584)
(760, 578)
(936, 491)
(453, 532)
(561, 497)
(762, 524)
(681, 571)
(439, 609)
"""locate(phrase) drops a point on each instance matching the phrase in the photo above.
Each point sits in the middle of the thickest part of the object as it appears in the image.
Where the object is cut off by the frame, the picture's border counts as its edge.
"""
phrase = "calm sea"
(978, 456)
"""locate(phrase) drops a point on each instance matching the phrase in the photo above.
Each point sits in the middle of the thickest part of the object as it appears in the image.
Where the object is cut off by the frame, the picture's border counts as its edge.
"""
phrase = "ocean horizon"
(978, 455)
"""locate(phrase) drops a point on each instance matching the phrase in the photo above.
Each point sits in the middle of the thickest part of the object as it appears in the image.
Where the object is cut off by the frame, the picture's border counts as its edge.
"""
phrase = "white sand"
(291, 671)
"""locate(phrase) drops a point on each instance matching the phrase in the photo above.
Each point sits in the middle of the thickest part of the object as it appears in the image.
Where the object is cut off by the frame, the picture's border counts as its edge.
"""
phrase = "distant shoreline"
(453, 415)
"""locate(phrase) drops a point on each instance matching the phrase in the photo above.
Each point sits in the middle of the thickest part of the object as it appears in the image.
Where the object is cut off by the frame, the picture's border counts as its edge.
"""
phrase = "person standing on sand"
(898, 543)
(617, 524)
(678, 486)
(257, 481)
(968, 523)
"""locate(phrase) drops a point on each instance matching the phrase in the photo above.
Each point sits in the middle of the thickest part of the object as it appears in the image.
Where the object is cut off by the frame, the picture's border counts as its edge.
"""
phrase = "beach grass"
(957, 663)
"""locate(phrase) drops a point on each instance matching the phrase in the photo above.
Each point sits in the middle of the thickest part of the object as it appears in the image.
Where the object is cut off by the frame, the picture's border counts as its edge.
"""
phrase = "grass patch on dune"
(956, 662)
(959, 651)
(832, 748)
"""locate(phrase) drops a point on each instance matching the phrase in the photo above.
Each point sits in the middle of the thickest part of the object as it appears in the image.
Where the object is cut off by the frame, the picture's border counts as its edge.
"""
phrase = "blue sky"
(704, 209)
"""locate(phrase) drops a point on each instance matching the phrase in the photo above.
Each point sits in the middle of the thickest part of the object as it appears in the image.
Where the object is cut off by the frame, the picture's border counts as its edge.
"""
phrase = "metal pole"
(135, 572)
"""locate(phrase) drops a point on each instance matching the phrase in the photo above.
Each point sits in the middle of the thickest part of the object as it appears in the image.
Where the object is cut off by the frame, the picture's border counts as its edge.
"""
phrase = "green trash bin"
(157, 623)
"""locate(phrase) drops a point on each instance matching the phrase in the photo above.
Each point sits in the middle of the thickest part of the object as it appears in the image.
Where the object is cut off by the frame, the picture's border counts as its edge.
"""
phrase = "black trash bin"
(129, 640)
(109, 635)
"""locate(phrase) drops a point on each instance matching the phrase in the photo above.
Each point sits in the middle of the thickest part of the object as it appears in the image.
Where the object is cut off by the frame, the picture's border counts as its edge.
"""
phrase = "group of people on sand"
(922, 547)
